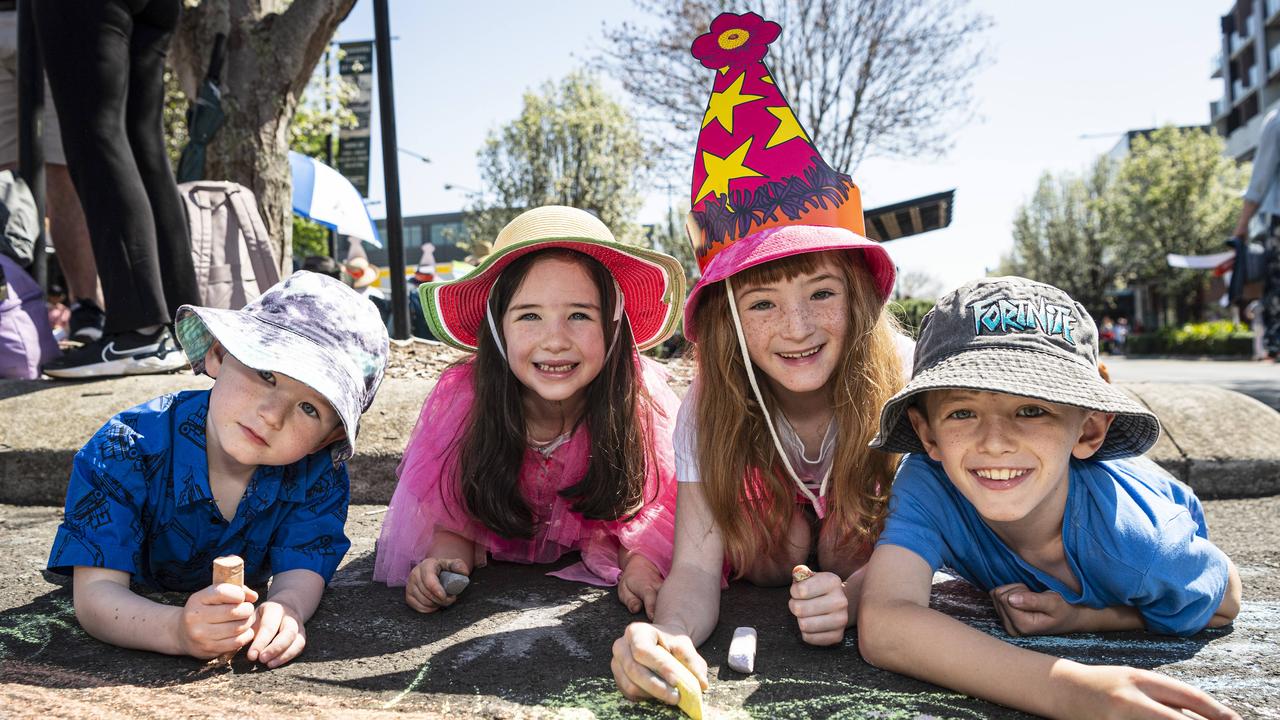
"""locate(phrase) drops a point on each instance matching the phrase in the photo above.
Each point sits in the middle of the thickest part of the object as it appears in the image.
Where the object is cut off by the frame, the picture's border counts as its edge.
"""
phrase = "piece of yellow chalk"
(690, 692)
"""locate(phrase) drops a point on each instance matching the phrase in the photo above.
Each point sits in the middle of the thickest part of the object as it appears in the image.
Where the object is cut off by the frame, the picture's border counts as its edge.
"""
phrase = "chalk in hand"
(742, 650)
(800, 573)
(454, 583)
(690, 692)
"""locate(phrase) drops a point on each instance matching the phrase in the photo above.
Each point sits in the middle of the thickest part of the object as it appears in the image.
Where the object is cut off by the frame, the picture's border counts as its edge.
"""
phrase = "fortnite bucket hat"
(1015, 336)
(761, 191)
(652, 283)
(310, 327)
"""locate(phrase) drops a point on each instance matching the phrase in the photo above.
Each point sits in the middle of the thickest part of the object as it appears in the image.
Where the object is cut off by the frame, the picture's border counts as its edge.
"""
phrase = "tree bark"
(272, 49)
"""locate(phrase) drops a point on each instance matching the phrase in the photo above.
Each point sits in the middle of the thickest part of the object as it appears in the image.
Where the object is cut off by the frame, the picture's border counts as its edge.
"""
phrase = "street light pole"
(391, 172)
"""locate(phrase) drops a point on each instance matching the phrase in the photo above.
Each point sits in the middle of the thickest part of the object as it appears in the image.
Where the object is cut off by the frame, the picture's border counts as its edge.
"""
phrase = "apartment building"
(1248, 64)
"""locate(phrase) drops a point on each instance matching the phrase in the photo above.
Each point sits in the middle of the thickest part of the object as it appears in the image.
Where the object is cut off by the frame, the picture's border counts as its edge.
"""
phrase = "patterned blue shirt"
(139, 501)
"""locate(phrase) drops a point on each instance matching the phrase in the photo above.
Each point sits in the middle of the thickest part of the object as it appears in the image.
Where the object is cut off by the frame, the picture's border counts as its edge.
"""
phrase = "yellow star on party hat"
(760, 190)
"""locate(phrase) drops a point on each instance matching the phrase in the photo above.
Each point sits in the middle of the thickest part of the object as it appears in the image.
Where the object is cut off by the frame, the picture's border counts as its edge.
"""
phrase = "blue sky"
(1057, 71)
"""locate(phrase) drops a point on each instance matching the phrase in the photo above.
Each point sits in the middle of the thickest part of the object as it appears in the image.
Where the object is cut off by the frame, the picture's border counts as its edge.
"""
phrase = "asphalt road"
(1258, 380)
(523, 645)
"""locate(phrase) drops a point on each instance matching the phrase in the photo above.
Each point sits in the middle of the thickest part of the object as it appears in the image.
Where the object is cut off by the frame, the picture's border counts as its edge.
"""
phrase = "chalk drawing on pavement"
(511, 633)
(810, 698)
(35, 628)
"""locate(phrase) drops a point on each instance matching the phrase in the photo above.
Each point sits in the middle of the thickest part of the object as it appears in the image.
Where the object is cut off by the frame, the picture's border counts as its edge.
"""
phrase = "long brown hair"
(735, 447)
(492, 450)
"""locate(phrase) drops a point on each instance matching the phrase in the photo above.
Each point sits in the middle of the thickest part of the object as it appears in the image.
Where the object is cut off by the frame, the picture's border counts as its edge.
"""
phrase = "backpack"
(232, 253)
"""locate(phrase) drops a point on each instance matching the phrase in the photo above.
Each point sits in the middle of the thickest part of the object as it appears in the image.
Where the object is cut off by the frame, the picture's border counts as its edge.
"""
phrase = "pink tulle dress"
(427, 496)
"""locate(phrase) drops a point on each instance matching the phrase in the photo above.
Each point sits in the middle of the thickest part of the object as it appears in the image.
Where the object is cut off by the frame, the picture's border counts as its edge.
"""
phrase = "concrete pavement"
(520, 644)
(1222, 443)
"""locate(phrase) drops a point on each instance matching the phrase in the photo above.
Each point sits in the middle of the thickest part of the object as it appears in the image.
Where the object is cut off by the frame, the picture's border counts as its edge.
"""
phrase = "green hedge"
(909, 312)
(1221, 337)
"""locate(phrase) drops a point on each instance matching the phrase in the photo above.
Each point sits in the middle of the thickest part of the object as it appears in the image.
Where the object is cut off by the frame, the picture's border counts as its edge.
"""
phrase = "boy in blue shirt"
(1018, 482)
(254, 466)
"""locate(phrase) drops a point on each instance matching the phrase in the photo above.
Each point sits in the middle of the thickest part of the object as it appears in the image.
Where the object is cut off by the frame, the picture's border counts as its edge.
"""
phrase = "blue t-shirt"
(1133, 536)
(139, 501)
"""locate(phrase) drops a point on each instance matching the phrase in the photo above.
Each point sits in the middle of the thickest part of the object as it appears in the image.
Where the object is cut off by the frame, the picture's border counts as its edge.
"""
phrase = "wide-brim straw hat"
(652, 282)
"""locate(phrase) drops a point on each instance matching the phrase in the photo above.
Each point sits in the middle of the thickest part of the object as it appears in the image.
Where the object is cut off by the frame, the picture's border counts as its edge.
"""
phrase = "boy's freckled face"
(1008, 455)
(263, 418)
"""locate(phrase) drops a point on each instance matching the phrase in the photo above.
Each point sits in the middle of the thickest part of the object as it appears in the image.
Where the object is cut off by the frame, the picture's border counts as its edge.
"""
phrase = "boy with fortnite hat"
(1018, 482)
(254, 467)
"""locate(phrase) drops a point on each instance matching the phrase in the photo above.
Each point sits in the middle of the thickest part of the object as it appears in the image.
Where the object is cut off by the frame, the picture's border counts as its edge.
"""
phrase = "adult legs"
(152, 31)
(70, 236)
(86, 47)
(1271, 295)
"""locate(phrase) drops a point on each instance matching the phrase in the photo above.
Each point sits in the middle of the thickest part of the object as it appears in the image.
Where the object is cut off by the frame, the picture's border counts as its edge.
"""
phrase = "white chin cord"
(768, 419)
(617, 321)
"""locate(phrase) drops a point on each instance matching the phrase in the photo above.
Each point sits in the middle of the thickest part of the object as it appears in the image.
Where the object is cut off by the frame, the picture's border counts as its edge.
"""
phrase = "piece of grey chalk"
(453, 582)
(742, 650)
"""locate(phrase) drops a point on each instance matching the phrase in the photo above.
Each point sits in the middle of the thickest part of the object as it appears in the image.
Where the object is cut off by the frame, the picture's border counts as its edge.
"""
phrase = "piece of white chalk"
(742, 650)
(454, 583)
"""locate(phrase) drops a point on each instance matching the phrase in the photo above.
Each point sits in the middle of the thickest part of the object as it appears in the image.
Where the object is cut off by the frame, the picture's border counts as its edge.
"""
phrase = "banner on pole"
(356, 66)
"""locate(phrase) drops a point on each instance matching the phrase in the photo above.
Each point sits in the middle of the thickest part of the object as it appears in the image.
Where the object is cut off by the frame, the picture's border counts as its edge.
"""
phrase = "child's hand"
(821, 608)
(1024, 612)
(639, 584)
(216, 620)
(423, 592)
(279, 635)
(1125, 692)
(644, 661)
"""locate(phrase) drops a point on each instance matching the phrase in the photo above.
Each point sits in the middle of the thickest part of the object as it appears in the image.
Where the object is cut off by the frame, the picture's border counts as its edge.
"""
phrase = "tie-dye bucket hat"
(651, 282)
(310, 327)
(1018, 337)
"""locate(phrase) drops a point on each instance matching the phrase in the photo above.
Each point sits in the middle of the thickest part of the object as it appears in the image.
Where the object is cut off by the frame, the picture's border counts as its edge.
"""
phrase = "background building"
(1249, 66)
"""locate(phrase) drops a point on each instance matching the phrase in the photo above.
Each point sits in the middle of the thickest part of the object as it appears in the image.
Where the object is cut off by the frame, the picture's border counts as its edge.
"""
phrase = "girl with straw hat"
(796, 354)
(556, 435)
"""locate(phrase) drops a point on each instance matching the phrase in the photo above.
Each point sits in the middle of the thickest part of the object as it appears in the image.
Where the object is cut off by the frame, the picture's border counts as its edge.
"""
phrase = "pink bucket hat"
(651, 282)
(761, 191)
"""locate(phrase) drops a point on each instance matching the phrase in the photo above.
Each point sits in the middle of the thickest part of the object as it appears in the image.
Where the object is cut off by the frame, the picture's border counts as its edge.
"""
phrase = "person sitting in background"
(424, 273)
(364, 279)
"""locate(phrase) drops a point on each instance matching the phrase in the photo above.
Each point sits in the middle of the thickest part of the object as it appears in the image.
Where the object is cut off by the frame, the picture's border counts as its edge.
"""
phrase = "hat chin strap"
(818, 505)
(617, 321)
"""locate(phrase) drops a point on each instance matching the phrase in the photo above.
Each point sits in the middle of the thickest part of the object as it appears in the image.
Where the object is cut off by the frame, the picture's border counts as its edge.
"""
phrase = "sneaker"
(87, 320)
(127, 353)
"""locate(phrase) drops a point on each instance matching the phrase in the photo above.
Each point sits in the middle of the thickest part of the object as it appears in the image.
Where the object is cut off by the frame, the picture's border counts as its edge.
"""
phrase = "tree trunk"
(272, 49)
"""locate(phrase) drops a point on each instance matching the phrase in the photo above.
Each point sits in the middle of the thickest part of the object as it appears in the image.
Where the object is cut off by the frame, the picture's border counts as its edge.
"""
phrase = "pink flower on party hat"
(735, 41)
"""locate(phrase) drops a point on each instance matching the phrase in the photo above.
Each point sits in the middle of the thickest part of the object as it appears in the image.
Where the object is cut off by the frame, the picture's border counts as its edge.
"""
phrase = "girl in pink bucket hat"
(556, 435)
(796, 355)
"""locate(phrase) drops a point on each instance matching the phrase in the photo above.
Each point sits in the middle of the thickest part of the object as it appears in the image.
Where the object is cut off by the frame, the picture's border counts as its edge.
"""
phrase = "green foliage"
(1176, 192)
(669, 236)
(1113, 226)
(571, 145)
(910, 312)
(174, 117)
(1062, 236)
(309, 238)
(1220, 337)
